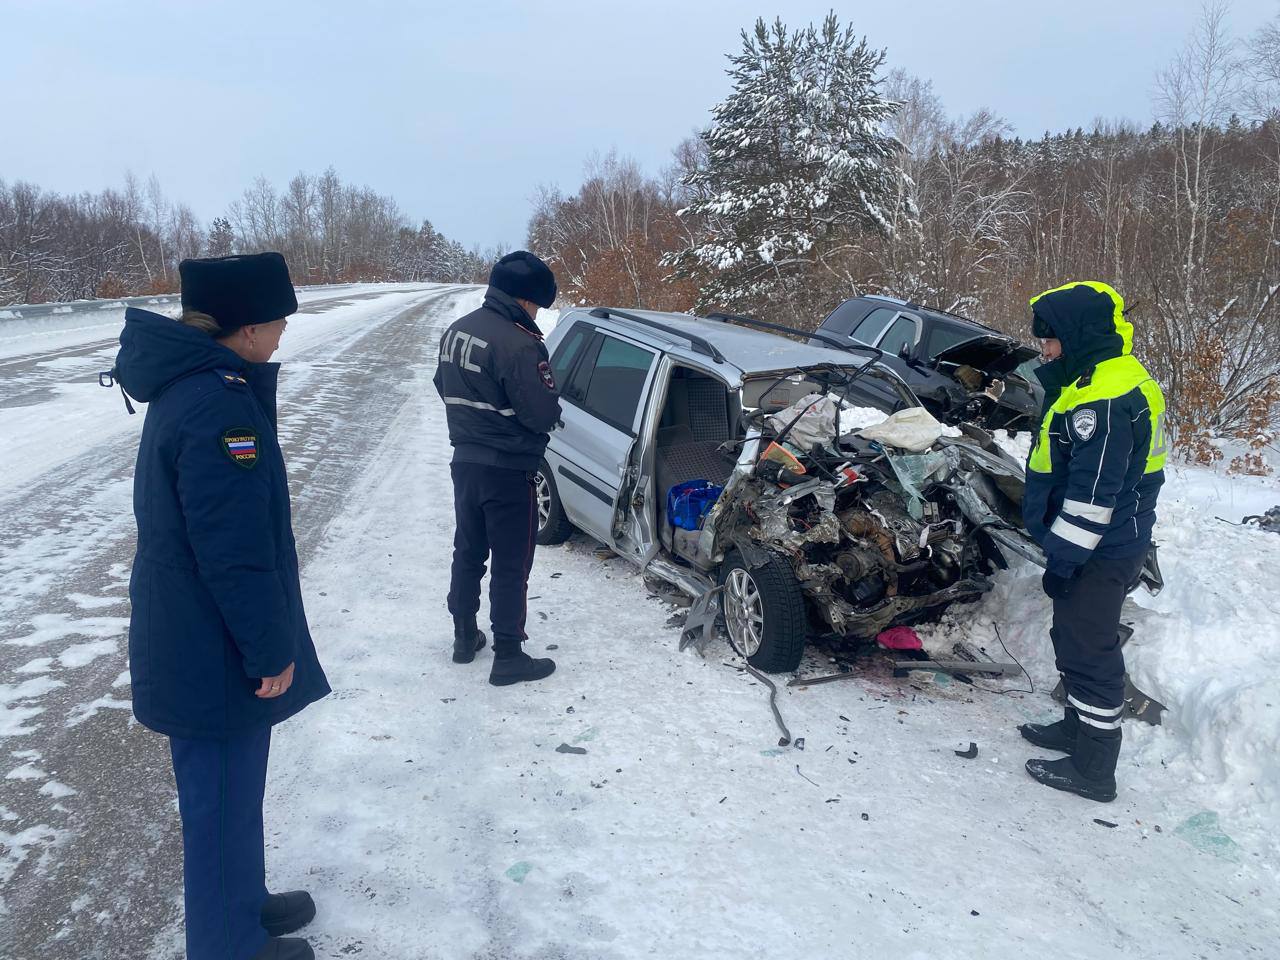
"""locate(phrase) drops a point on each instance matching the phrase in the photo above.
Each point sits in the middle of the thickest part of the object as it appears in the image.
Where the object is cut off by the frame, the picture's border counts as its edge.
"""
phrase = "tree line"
(824, 174)
(129, 241)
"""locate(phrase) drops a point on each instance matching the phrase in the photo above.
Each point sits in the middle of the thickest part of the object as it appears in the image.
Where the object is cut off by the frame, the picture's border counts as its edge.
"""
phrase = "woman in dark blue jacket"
(219, 649)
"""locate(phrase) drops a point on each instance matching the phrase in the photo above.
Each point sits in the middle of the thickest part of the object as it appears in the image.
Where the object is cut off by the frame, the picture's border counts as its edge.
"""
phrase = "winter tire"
(553, 526)
(764, 612)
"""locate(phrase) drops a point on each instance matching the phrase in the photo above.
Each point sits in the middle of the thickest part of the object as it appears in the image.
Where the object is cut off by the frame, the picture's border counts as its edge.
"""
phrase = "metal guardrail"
(32, 311)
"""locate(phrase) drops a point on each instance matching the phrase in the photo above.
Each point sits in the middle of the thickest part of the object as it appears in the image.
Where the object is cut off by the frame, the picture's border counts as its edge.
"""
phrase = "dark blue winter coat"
(216, 602)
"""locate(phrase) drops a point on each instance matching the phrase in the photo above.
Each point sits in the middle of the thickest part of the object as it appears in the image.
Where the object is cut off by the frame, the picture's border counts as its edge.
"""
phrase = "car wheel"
(764, 612)
(553, 526)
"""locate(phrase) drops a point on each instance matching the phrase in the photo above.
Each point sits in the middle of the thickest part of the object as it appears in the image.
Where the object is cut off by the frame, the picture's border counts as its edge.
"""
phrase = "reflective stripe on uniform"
(1087, 511)
(1102, 457)
(1096, 711)
(1072, 534)
(479, 405)
(1100, 724)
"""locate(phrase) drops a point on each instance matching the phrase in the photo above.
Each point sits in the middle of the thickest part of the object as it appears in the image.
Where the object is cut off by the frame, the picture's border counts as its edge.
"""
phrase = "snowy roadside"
(637, 803)
(433, 816)
(88, 855)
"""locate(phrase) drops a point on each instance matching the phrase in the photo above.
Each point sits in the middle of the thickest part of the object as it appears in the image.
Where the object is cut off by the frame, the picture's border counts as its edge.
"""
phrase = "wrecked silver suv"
(725, 460)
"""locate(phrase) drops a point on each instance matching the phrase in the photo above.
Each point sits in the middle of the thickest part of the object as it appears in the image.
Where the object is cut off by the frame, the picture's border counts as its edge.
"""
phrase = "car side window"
(944, 338)
(568, 350)
(843, 318)
(872, 325)
(901, 334)
(580, 375)
(617, 382)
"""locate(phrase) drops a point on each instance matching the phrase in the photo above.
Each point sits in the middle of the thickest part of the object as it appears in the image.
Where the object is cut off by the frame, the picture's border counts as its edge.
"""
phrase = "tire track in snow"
(393, 802)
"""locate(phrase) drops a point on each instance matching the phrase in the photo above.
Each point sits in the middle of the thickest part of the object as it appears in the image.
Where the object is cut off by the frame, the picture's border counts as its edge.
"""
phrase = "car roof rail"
(793, 331)
(699, 344)
(877, 355)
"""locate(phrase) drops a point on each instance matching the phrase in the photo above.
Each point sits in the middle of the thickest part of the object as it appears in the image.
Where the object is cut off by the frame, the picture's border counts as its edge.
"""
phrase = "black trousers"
(496, 511)
(1086, 633)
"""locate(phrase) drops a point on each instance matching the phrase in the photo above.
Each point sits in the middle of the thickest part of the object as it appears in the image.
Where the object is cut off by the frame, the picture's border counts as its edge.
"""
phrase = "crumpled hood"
(155, 351)
(998, 356)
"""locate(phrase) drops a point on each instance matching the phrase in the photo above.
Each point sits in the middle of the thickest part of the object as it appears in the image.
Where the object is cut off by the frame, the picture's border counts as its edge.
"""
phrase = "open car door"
(603, 402)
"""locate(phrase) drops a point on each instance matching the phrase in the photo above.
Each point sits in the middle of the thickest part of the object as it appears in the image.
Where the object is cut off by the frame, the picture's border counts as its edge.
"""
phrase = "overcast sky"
(459, 110)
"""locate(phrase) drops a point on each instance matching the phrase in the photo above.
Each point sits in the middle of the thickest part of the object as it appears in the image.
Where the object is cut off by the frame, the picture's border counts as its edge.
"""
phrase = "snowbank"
(1208, 647)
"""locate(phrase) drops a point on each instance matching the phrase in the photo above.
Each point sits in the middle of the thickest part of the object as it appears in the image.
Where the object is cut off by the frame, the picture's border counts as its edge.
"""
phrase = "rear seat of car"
(690, 448)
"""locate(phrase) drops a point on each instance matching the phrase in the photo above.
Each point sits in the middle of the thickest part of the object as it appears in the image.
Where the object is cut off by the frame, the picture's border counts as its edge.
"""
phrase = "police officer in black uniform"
(501, 400)
(1093, 477)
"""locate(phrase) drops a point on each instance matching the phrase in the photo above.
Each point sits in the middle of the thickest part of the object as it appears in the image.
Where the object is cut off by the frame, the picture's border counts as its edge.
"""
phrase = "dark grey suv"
(960, 370)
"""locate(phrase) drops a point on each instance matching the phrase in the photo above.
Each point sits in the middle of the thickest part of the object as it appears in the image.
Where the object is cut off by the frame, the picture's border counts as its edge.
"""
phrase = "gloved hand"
(1057, 587)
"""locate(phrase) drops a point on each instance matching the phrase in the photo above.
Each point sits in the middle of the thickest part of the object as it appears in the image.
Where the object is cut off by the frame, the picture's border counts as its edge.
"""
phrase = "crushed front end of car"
(882, 521)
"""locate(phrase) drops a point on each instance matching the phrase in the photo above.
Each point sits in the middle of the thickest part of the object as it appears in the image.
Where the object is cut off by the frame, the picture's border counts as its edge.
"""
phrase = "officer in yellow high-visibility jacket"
(1093, 477)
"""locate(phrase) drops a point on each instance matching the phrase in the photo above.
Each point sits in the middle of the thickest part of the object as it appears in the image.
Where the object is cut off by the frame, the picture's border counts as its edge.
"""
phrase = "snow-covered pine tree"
(797, 168)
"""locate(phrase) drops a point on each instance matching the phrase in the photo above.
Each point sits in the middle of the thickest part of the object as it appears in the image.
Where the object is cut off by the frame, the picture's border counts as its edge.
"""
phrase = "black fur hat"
(525, 277)
(238, 291)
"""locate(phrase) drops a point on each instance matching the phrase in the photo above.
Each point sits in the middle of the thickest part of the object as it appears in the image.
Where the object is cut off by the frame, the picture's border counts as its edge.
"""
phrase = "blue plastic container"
(688, 503)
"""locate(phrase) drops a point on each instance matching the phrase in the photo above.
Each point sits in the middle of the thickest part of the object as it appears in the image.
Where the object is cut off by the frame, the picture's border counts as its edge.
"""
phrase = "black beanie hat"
(238, 291)
(525, 277)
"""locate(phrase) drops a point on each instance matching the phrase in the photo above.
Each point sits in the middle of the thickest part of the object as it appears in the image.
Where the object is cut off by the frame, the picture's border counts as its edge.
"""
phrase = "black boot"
(1089, 772)
(467, 640)
(1054, 736)
(519, 667)
(285, 948)
(283, 913)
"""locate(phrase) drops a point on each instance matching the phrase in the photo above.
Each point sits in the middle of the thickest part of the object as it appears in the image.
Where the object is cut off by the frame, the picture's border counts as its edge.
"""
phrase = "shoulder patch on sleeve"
(241, 445)
(1084, 423)
(548, 378)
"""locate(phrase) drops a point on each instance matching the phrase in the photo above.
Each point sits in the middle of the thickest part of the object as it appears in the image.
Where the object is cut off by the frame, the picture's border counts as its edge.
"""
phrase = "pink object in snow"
(900, 638)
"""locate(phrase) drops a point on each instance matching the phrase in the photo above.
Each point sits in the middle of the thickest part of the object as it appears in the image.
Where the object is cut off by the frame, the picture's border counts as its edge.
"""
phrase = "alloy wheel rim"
(744, 611)
(544, 500)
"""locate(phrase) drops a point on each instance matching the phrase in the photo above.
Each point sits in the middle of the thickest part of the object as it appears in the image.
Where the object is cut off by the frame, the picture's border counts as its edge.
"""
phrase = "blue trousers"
(220, 789)
(496, 510)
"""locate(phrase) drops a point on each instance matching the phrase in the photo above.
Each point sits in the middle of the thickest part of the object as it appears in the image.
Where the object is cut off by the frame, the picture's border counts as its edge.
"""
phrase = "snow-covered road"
(432, 815)
(90, 862)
